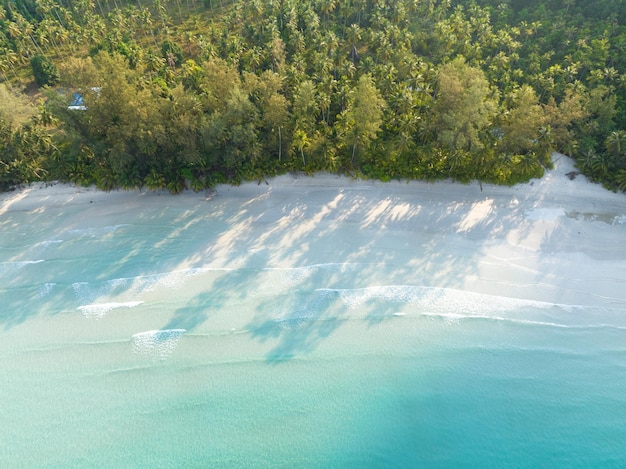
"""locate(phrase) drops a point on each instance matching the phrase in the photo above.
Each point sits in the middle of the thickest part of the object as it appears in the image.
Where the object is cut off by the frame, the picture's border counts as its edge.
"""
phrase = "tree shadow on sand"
(310, 260)
(60, 256)
(296, 324)
(303, 259)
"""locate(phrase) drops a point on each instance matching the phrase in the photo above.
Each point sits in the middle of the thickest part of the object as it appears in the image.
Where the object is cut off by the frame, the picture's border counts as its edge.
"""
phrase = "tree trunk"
(280, 144)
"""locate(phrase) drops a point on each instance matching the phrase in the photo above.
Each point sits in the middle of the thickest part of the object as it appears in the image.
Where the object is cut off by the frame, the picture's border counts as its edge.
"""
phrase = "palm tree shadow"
(194, 313)
(297, 323)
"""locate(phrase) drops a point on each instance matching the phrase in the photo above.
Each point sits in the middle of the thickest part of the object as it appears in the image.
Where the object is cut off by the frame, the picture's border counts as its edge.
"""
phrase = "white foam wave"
(454, 305)
(13, 266)
(158, 343)
(454, 318)
(93, 232)
(82, 292)
(434, 297)
(303, 308)
(97, 311)
(87, 292)
(49, 242)
(21, 263)
(290, 276)
(270, 283)
(46, 289)
(355, 298)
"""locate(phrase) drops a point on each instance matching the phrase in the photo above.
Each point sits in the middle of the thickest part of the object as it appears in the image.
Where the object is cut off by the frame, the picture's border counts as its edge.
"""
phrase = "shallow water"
(182, 335)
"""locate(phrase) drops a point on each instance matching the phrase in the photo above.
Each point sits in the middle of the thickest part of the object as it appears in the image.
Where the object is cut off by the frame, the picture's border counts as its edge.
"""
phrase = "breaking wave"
(97, 311)
(8, 268)
(157, 344)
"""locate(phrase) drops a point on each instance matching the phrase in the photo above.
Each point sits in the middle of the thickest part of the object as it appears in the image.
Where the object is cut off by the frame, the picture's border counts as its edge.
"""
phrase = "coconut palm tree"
(301, 141)
(620, 179)
(616, 145)
(8, 58)
(601, 165)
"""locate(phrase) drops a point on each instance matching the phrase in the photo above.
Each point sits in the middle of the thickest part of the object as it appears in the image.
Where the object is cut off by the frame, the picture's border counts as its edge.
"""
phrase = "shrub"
(45, 72)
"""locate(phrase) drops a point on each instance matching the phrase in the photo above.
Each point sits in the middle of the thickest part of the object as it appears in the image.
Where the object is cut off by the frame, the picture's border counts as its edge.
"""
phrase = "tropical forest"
(186, 94)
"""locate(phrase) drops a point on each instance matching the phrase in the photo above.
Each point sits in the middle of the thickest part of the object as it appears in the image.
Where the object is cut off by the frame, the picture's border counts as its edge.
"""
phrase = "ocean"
(199, 333)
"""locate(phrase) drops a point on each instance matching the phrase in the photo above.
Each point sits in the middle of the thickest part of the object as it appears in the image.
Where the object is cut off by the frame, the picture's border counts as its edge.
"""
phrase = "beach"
(315, 321)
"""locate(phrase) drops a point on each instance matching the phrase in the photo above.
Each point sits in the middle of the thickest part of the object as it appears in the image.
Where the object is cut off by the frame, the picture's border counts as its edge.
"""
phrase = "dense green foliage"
(188, 93)
(44, 71)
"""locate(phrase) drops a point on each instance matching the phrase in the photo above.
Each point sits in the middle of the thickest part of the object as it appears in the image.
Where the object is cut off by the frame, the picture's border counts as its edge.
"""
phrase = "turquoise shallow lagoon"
(301, 325)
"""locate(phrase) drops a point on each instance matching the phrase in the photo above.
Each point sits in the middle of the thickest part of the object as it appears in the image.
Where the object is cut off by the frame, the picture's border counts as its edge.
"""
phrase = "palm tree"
(327, 7)
(586, 159)
(616, 144)
(27, 29)
(620, 179)
(353, 35)
(4, 67)
(601, 166)
(8, 57)
(301, 141)
(154, 62)
(146, 18)
(14, 30)
(404, 142)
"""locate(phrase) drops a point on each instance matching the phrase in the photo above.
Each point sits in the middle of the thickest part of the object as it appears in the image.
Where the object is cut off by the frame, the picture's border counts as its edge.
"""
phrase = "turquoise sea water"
(189, 333)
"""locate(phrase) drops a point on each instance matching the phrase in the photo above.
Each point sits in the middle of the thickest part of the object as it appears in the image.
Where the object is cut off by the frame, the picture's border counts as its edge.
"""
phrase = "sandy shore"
(310, 320)
(553, 240)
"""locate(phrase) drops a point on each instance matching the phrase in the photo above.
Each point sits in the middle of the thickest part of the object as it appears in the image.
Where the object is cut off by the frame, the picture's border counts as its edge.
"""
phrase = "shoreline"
(431, 311)
(554, 239)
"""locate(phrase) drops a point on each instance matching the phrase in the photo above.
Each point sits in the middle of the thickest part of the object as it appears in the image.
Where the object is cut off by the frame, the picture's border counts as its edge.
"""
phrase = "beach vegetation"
(44, 71)
(188, 94)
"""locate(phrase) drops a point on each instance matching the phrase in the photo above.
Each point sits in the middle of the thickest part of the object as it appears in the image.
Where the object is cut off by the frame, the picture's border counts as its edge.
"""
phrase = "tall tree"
(465, 106)
(304, 115)
(273, 105)
(521, 123)
(616, 145)
(363, 117)
(561, 117)
(233, 132)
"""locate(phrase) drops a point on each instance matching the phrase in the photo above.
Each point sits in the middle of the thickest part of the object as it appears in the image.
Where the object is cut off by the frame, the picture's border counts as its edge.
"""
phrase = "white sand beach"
(443, 248)
(276, 316)
(553, 239)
